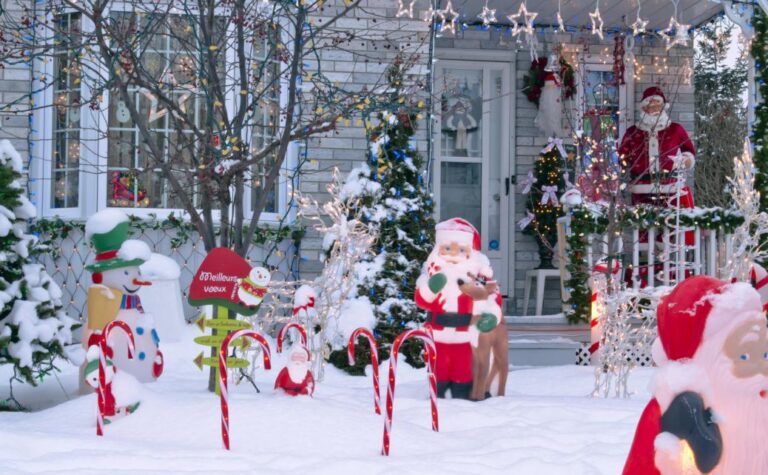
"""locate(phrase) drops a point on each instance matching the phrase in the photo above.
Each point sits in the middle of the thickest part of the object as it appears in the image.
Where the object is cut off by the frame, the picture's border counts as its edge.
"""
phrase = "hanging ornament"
(639, 25)
(618, 60)
(488, 15)
(524, 16)
(560, 22)
(402, 10)
(597, 21)
(450, 17)
(676, 33)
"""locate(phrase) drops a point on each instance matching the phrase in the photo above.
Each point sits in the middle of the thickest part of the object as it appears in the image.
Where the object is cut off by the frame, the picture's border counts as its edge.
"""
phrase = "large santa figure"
(454, 261)
(652, 149)
(709, 413)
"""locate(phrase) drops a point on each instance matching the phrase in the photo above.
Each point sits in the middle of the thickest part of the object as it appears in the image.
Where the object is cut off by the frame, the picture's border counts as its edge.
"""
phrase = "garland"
(51, 231)
(592, 219)
(760, 129)
(534, 80)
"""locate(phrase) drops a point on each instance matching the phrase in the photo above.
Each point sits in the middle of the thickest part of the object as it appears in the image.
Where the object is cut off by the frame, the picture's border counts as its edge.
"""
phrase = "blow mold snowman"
(114, 294)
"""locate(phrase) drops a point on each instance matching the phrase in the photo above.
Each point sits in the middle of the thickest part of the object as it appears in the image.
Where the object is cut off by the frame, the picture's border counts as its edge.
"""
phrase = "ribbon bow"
(523, 223)
(549, 195)
(567, 180)
(553, 142)
(528, 183)
(310, 304)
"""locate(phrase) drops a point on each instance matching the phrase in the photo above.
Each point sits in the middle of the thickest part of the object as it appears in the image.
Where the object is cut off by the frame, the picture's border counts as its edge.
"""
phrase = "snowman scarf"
(131, 302)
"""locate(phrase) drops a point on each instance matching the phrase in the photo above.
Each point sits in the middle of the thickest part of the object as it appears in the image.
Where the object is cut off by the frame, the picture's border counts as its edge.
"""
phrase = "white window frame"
(93, 174)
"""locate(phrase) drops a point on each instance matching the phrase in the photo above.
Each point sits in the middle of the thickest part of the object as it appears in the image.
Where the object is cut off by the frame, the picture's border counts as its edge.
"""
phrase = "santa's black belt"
(452, 320)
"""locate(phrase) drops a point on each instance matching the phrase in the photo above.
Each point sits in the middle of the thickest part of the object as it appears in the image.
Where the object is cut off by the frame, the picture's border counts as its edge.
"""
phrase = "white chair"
(541, 276)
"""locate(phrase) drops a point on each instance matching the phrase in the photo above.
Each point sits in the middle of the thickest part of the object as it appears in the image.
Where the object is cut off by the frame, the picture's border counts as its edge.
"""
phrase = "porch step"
(544, 340)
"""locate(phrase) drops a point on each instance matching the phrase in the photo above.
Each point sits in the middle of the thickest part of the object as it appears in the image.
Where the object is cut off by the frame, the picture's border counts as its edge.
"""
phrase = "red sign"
(217, 281)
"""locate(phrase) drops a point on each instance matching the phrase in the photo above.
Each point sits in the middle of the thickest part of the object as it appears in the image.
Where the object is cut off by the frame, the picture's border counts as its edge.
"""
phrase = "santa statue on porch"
(455, 318)
(653, 150)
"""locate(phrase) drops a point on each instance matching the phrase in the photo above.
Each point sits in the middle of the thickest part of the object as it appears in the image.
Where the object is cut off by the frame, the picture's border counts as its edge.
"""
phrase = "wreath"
(534, 80)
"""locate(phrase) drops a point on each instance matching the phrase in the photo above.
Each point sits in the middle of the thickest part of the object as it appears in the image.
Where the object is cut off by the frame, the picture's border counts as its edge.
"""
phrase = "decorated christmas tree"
(33, 326)
(395, 200)
(544, 186)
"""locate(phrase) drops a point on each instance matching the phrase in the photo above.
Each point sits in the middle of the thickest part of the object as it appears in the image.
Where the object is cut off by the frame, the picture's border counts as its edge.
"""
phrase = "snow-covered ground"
(545, 425)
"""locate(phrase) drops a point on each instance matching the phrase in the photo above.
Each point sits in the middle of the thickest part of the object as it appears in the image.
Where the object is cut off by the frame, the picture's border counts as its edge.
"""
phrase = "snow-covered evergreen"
(33, 325)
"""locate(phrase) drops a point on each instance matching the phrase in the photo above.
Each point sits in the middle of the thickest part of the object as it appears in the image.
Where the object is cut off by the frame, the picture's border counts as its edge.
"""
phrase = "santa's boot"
(461, 390)
(442, 387)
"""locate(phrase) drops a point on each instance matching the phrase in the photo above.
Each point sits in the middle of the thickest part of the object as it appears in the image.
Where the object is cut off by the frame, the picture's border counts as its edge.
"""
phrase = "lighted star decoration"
(429, 14)
(488, 15)
(560, 22)
(525, 17)
(449, 16)
(402, 10)
(639, 25)
(597, 21)
(675, 34)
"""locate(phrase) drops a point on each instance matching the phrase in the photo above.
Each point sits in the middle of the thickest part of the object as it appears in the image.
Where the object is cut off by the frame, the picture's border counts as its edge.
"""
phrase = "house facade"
(476, 77)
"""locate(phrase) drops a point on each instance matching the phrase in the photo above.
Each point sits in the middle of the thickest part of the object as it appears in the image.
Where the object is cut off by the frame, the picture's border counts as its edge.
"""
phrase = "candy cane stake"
(364, 332)
(284, 332)
(429, 344)
(598, 283)
(103, 367)
(223, 374)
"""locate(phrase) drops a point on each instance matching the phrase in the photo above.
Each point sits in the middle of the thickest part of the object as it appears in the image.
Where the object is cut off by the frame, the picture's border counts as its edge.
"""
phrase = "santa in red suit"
(296, 378)
(709, 413)
(455, 259)
(652, 149)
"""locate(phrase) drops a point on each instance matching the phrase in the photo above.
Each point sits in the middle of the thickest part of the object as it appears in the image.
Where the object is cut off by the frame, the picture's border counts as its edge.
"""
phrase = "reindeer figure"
(493, 341)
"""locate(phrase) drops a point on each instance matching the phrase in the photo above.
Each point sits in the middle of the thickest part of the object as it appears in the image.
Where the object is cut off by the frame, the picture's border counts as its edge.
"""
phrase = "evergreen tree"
(545, 208)
(33, 326)
(720, 114)
(395, 200)
(760, 132)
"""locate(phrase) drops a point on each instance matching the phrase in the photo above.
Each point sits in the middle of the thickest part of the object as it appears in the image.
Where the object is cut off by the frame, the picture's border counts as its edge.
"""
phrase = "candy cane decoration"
(429, 344)
(598, 283)
(223, 374)
(374, 361)
(284, 332)
(103, 367)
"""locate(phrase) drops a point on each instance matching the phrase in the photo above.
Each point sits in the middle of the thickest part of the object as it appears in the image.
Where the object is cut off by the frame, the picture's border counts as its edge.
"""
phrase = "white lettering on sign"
(212, 289)
(218, 277)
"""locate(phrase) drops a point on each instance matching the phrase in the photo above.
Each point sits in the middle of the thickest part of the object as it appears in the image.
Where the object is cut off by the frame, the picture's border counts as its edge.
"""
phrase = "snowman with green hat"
(114, 294)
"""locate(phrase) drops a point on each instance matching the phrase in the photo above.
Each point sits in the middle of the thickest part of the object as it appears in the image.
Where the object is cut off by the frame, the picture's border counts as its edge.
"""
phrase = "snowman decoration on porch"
(114, 294)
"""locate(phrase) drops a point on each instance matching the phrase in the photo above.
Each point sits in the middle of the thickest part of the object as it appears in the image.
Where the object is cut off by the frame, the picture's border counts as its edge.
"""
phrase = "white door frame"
(488, 60)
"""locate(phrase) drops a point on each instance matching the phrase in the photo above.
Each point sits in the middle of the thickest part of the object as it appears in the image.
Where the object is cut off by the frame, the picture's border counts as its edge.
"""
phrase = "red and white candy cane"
(598, 282)
(103, 367)
(284, 331)
(758, 277)
(374, 361)
(223, 373)
(429, 344)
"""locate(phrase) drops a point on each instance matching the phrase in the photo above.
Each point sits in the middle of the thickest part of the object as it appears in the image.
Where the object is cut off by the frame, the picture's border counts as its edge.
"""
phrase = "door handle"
(506, 185)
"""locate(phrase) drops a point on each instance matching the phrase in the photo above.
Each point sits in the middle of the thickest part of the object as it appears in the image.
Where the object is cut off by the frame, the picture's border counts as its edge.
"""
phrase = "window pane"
(601, 97)
(460, 192)
(461, 113)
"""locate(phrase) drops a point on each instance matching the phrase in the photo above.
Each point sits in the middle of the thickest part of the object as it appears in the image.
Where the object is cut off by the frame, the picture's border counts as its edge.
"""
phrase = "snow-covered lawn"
(545, 425)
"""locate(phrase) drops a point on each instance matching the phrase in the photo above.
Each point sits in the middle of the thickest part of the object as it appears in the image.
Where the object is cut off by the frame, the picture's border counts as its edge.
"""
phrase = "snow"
(134, 249)
(355, 313)
(303, 295)
(545, 425)
(104, 221)
(9, 153)
(160, 267)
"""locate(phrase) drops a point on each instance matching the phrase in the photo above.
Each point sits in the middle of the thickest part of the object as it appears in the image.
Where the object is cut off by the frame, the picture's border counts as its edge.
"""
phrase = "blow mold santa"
(454, 317)
(709, 413)
(114, 294)
(654, 148)
(296, 378)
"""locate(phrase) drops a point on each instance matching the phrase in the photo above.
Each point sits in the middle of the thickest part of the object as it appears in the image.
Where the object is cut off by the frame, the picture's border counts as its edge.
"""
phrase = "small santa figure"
(653, 149)
(550, 116)
(296, 378)
(455, 260)
(709, 413)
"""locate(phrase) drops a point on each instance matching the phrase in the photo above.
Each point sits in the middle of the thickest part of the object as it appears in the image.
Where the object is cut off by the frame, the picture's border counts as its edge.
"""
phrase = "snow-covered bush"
(33, 325)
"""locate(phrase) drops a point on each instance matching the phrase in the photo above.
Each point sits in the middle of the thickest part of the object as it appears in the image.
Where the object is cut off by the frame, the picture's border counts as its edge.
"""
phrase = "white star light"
(597, 21)
(488, 15)
(402, 10)
(676, 33)
(560, 23)
(429, 14)
(639, 26)
(527, 20)
(449, 16)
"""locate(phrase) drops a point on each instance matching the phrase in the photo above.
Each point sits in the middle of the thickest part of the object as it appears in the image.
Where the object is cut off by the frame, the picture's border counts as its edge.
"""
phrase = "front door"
(472, 154)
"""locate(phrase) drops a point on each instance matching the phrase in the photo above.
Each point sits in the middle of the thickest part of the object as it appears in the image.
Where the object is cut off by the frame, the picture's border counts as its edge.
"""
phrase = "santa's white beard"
(650, 122)
(297, 371)
(550, 116)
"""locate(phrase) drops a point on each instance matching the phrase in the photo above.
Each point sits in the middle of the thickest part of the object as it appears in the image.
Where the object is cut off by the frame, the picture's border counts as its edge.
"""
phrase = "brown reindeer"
(494, 342)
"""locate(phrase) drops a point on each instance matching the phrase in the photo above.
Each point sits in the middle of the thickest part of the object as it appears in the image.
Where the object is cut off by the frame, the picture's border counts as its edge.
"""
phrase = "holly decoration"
(533, 83)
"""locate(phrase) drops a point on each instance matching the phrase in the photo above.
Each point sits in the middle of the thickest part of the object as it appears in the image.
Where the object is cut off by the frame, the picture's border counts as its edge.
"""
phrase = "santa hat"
(457, 230)
(697, 309)
(654, 92)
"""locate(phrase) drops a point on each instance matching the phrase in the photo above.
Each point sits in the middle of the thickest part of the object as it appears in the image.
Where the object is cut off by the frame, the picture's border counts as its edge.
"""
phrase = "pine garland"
(760, 131)
(592, 219)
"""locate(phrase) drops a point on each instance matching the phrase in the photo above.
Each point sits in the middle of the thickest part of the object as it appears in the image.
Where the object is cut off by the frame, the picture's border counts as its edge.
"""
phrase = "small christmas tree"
(544, 186)
(33, 326)
(395, 200)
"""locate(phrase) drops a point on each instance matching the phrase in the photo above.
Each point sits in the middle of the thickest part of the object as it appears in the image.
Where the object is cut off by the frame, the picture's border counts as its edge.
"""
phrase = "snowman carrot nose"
(141, 282)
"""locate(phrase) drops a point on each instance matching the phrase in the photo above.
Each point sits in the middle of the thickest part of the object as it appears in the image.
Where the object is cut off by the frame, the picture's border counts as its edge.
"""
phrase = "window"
(65, 173)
